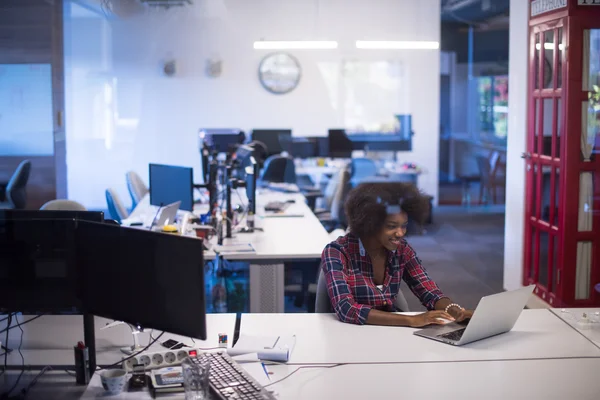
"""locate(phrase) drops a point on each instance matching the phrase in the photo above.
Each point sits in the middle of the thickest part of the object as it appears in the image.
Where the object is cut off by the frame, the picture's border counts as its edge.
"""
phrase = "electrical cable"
(5, 395)
(329, 365)
(134, 354)
(298, 369)
(26, 390)
(21, 323)
(6, 342)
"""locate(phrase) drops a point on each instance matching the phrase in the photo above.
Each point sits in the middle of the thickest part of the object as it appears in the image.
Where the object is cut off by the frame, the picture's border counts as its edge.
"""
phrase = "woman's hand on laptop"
(436, 317)
(460, 314)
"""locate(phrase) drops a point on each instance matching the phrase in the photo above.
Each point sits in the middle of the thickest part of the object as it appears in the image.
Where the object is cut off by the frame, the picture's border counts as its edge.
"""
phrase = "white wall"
(124, 113)
(517, 126)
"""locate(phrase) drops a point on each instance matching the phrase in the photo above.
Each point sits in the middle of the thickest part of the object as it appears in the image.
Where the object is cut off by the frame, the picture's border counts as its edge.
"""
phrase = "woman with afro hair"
(363, 270)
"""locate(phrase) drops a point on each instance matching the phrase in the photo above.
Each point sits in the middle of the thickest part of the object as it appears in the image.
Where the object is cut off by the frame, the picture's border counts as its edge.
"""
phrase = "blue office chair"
(117, 210)
(137, 188)
(279, 169)
(361, 168)
(14, 195)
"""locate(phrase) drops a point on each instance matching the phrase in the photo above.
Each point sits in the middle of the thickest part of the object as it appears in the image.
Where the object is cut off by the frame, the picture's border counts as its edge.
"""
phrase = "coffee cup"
(113, 380)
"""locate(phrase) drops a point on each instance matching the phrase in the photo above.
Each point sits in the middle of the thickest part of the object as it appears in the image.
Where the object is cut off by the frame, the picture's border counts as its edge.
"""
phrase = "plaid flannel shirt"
(349, 276)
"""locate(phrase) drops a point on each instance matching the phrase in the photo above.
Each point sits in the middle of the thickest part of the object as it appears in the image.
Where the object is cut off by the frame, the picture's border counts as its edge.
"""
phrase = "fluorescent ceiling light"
(549, 46)
(397, 45)
(295, 44)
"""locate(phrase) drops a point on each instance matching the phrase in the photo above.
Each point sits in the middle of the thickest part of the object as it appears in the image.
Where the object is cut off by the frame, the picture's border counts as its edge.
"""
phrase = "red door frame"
(536, 161)
(574, 165)
(575, 20)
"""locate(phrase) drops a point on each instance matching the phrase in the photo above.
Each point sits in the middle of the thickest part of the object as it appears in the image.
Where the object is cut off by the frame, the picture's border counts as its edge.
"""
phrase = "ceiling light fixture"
(295, 45)
(397, 45)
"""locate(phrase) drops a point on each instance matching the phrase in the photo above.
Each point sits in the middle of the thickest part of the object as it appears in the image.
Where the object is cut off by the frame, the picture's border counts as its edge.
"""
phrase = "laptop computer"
(494, 315)
(167, 214)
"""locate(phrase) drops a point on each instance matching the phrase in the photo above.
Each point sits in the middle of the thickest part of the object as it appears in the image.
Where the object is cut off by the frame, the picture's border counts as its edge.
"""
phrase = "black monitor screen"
(224, 142)
(169, 184)
(273, 138)
(37, 270)
(151, 279)
(304, 148)
(339, 144)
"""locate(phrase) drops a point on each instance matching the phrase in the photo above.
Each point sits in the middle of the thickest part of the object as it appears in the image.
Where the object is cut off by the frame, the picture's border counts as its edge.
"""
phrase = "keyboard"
(229, 381)
(277, 206)
(454, 335)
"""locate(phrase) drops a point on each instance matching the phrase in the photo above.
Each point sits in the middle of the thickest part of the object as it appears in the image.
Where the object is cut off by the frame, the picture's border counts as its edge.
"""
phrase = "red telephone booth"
(562, 217)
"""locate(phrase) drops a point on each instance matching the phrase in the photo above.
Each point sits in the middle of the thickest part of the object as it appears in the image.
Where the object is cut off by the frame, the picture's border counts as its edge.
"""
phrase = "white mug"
(113, 380)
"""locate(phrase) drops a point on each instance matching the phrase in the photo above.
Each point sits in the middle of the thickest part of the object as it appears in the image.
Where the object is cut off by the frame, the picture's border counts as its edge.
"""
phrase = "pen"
(265, 369)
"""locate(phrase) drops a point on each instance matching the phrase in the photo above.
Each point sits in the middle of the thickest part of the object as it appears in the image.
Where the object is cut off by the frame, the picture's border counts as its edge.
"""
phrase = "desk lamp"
(135, 330)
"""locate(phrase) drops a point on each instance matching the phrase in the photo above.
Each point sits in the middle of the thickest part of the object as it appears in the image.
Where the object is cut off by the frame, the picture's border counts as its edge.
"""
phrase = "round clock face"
(279, 73)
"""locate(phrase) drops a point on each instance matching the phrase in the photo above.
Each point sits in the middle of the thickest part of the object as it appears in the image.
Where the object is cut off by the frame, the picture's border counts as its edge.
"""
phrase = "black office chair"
(279, 169)
(14, 195)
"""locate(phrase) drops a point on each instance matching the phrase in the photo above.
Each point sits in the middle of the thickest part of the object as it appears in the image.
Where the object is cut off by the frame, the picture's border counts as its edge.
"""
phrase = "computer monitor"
(340, 145)
(169, 184)
(37, 268)
(222, 140)
(272, 138)
(303, 148)
(322, 145)
(149, 279)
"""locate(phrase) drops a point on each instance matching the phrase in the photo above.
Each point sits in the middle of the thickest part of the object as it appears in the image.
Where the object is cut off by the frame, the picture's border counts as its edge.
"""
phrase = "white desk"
(283, 239)
(321, 338)
(49, 340)
(487, 380)
(386, 371)
(574, 317)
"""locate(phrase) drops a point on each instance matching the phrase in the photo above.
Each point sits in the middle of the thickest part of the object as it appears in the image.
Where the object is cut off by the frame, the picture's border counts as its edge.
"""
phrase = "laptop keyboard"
(454, 335)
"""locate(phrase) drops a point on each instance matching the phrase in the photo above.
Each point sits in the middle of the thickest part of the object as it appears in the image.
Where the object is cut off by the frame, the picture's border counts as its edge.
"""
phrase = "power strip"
(161, 359)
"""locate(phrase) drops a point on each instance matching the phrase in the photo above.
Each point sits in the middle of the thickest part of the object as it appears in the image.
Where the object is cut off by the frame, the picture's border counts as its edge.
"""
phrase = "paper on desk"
(272, 348)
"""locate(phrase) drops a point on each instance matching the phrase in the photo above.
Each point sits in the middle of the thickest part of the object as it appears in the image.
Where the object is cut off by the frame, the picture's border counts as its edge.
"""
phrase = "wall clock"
(279, 73)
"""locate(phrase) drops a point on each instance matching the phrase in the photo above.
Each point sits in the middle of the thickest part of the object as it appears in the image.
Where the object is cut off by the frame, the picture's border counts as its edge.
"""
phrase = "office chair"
(490, 178)
(117, 210)
(329, 193)
(14, 195)
(137, 188)
(336, 217)
(62, 205)
(361, 168)
(323, 304)
(279, 169)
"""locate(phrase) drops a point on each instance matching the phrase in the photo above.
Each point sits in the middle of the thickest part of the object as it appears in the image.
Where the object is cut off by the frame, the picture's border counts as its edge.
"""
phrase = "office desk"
(442, 372)
(574, 317)
(49, 340)
(283, 239)
(485, 380)
(321, 338)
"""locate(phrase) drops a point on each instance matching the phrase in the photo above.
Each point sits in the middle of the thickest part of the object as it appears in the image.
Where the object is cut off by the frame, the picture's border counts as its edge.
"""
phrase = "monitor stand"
(89, 338)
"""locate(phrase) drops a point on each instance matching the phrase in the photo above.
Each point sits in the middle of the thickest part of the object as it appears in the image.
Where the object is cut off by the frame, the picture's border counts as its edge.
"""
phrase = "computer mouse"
(444, 320)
